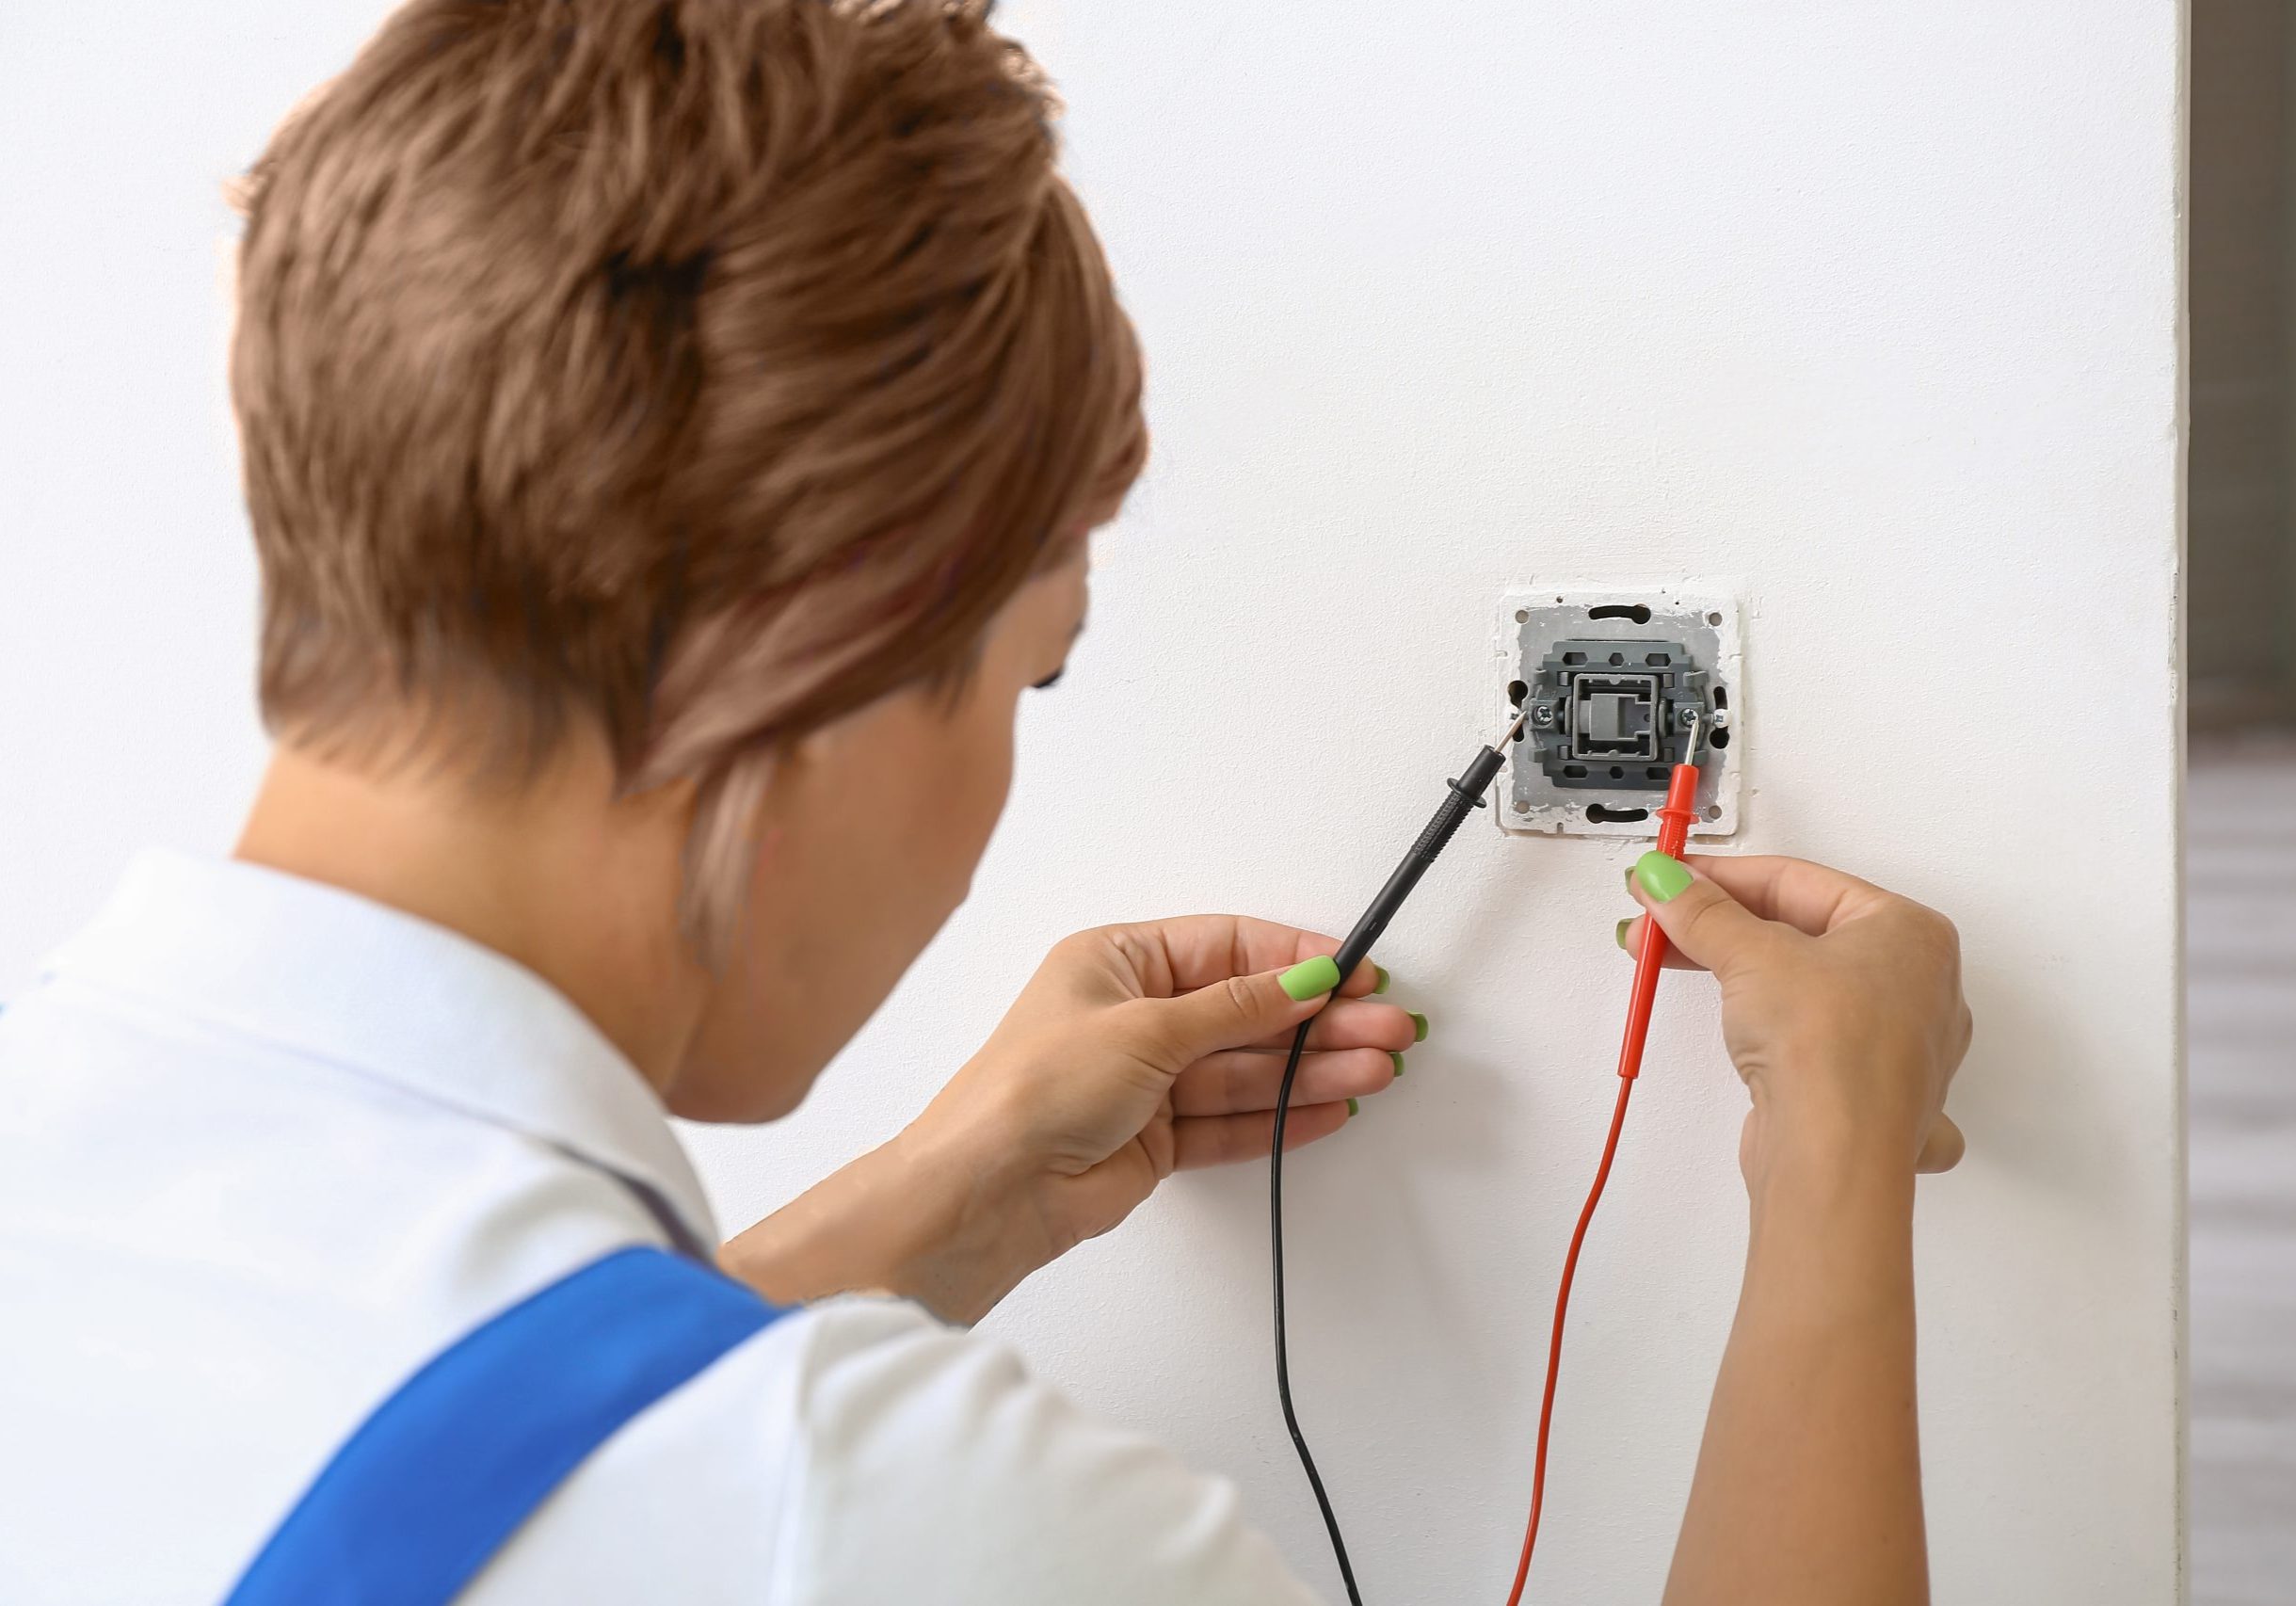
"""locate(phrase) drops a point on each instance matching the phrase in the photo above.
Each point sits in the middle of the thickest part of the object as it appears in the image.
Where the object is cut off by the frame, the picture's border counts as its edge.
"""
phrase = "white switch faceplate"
(1624, 648)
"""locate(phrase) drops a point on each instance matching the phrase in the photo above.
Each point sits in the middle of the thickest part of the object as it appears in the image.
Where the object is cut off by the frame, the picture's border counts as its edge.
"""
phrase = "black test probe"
(1465, 795)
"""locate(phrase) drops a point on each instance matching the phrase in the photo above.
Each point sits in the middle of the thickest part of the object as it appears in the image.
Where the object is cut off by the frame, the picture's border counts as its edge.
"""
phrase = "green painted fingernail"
(1398, 1059)
(1381, 985)
(1354, 1108)
(1664, 879)
(1622, 930)
(1310, 978)
(1418, 1027)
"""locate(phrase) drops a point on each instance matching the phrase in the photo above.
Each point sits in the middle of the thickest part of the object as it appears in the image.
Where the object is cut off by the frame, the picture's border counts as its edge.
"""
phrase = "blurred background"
(2241, 843)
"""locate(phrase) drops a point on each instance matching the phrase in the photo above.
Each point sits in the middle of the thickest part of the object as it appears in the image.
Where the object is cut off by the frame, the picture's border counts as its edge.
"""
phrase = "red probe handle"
(1674, 816)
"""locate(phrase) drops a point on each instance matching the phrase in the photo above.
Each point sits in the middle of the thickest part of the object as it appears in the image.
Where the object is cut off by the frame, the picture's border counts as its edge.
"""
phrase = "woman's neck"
(576, 887)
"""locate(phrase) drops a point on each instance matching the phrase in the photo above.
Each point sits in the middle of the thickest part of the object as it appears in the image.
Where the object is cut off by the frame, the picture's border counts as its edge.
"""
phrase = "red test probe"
(1675, 818)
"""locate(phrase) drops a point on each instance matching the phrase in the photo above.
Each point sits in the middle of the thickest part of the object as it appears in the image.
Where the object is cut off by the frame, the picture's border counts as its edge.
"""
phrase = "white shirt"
(266, 1146)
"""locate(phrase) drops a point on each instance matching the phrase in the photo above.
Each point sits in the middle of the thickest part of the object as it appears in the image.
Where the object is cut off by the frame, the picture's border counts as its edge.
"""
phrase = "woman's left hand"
(1135, 1050)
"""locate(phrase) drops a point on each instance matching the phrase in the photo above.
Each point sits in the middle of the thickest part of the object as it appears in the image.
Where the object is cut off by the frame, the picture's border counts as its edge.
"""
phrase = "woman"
(672, 430)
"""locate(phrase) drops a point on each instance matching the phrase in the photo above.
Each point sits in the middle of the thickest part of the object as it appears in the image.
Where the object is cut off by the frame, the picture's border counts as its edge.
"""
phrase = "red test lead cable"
(1675, 818)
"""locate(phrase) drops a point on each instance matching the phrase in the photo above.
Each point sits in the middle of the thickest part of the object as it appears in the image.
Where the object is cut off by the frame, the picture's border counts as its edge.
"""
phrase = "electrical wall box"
(1611, 680)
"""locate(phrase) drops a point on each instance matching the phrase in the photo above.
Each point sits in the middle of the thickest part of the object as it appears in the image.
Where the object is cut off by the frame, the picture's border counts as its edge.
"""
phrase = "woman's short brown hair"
(704, 368)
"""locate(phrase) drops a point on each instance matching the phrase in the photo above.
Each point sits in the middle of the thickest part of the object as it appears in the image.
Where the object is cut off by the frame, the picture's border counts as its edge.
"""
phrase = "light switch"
(1613, 680)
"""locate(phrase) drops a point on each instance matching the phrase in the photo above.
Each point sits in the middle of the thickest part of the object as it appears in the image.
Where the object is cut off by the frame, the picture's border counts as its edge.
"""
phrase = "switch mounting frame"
(1639, 692)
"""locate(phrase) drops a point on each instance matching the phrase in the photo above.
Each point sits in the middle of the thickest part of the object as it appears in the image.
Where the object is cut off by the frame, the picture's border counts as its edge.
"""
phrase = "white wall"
(1871, 313)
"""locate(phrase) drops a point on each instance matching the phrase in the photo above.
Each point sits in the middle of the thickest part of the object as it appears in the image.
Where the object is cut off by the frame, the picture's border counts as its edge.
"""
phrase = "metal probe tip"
(1692, 724)
(1501, 746)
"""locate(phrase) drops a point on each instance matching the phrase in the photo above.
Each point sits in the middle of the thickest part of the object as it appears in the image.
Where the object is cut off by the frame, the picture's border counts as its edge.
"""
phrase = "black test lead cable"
(1466, 796)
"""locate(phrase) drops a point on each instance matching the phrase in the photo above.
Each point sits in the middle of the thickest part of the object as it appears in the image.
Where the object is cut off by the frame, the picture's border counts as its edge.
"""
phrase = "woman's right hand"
(1842, 1005)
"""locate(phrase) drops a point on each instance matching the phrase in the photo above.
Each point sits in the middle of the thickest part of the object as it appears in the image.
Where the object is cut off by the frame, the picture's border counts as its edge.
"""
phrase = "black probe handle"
(1466, 794)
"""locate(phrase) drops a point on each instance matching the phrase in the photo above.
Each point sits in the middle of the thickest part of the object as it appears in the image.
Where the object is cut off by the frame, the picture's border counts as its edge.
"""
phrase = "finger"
(1248, 1079)
(1174, 1033)
(1812, 898)
(1224, 1140)
(1353, 1023)
(1188, 952)
(1630, 938)
(1943, 1150)
(1702, 922)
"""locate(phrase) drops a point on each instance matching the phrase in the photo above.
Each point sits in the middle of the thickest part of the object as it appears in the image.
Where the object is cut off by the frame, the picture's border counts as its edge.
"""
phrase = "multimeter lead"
(1675, 818)
(1466, 794)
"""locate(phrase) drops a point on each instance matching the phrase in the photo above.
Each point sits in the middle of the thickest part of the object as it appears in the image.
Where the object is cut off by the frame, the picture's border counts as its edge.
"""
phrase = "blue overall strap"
(446, 1469)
